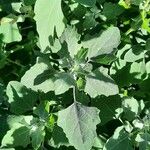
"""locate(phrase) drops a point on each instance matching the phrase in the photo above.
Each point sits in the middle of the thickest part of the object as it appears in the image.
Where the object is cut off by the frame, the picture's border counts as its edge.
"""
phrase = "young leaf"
(71, 37)
(49, 17)
(20, 98)
(79, 124)
(100, 83)
(119, 141)
(104, 43)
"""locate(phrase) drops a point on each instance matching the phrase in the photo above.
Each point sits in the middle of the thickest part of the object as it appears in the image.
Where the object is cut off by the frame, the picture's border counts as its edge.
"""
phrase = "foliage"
(74, 74)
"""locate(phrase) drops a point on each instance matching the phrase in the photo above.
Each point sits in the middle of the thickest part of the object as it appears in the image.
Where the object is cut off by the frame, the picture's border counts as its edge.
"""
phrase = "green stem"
(74, 94)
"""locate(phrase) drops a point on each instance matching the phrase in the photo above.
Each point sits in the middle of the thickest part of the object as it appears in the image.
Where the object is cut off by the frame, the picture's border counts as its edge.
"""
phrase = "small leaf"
(71, 37)
(20, 98)
(104, 43)
(79, 124)
(100, 83)
(49, 17)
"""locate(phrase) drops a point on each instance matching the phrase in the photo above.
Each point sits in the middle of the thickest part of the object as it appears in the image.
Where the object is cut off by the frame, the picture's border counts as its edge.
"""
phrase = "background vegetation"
(75, 74)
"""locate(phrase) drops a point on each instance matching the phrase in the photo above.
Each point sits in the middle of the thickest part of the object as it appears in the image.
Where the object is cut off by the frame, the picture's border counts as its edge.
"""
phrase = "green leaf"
(39, 77)
(41, 110)
(112, 11)
(49, 17)
(135, 53)
(98, 143)
(105, 59)
(119, 141)
(18, 136)
(58, 138)
(10, 32)
(29, 2)
(20, 98)
(79, 124)
(88, 3)
(144, 141)
(100, 83)
(131, 107)
(110, 107)
(37, 137)
(71, 37)
(63, 82)
(104, 43)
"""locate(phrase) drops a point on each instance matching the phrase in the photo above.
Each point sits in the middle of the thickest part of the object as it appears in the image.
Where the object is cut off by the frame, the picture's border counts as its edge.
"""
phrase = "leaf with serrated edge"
(79, 124)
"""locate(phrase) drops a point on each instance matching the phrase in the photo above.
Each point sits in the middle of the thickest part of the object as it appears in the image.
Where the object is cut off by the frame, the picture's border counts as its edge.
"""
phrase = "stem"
(13, 62)
(74, 94)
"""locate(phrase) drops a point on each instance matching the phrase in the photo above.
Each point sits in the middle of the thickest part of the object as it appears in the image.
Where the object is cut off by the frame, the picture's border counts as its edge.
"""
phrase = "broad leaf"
(18, 136)
(71, 37)
(110, 107)
(20, 98)
(10, 32)
(49, 17)
(58, 138)
(111, 11)
(63, 82)
(79, 124)
(100, 83)
(119, 141)
(39, 77)
(104, 43)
